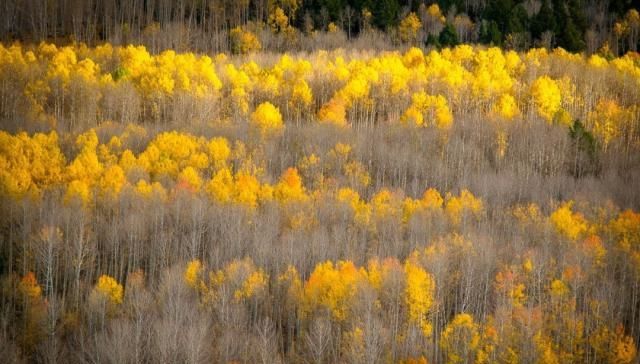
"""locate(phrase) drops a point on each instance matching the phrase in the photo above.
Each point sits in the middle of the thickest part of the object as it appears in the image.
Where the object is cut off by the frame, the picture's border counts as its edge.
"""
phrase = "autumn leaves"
(79, 85)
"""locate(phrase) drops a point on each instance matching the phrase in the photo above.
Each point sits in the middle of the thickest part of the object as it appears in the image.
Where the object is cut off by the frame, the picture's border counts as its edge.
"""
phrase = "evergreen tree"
(385, 13)
(576, 10)
(432, 40)
(490, 33)
(571, 37)
(518, 20)
(544, 20)
(499, 11)
(448, 36)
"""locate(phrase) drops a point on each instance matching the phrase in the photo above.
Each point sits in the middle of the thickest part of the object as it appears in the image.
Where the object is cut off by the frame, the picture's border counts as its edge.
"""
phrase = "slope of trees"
(463, 205)
(220, 25)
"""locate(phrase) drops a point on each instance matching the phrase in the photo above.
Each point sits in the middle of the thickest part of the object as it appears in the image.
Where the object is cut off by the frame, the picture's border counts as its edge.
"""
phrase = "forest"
(255, 192)
(307, 25)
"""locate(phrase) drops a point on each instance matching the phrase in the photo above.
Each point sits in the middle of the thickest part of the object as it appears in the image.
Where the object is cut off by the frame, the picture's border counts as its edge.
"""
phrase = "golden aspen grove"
(419, 202)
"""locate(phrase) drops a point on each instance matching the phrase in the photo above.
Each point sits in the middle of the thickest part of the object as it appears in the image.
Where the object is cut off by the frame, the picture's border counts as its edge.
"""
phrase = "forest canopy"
(611, 26)
(319, 182)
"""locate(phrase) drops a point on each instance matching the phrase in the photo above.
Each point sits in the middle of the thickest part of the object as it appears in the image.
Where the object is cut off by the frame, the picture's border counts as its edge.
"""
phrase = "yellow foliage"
(518, 295)
(220, 187)
(569, 224)
(419, 296)
(219, 152)
(432, 199)
(613, 347)
(527, 266)
(608, 119)
(624, 348)
(333, 112)
(385, 204)
(29, 288)
(507, 284)
(331, 288)
(434, 11)
(79, 190)
(413, 57)
(626, 228)
(146, 189)
(357, 174)
(545, 349)
(29, 164)
(171, 152)
(290, 187)
(546, 96)
(465, 203)
(558, 288)
(110, 289)
(506, 107)
(192, 273)
(267, 119)
(528, 214)
(33, 312)
(361, 211)
(594, 248)
(255, 284)
(278, 20)
(301, 93)
(190, 179)
(243, 278)
(409, 27)
(434, 109)
(243, 41)
(356, 89)
(112, 181)
(460, 339)
(247, 189)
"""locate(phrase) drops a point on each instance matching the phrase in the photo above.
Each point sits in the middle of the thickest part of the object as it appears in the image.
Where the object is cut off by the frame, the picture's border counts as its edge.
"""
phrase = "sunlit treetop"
(290, 187)
(547, 97)
(569, 223)
(419, 296)
(409, 27)
(428, 110)
(332, 288)
(29, 164)
(109, 289)
(267, 119)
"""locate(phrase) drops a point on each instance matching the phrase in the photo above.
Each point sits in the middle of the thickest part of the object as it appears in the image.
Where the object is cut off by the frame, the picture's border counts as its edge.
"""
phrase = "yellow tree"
(409, 28)
(29, 164)
(546, 97)
(460, 339)
(333, 112)
(109, 289)
(193, 274)
(290, 187)
(189, 179)
(568, 223)
(457, 206)
(427, 110)
(267, 119)
(112, 181)
(419, 296)
(243, 41)
(608, 120)
(332, 288)
(106, 296)
(278, 20)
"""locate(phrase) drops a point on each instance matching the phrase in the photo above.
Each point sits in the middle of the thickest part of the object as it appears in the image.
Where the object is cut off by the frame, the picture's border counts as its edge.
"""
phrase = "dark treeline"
(576, 25)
